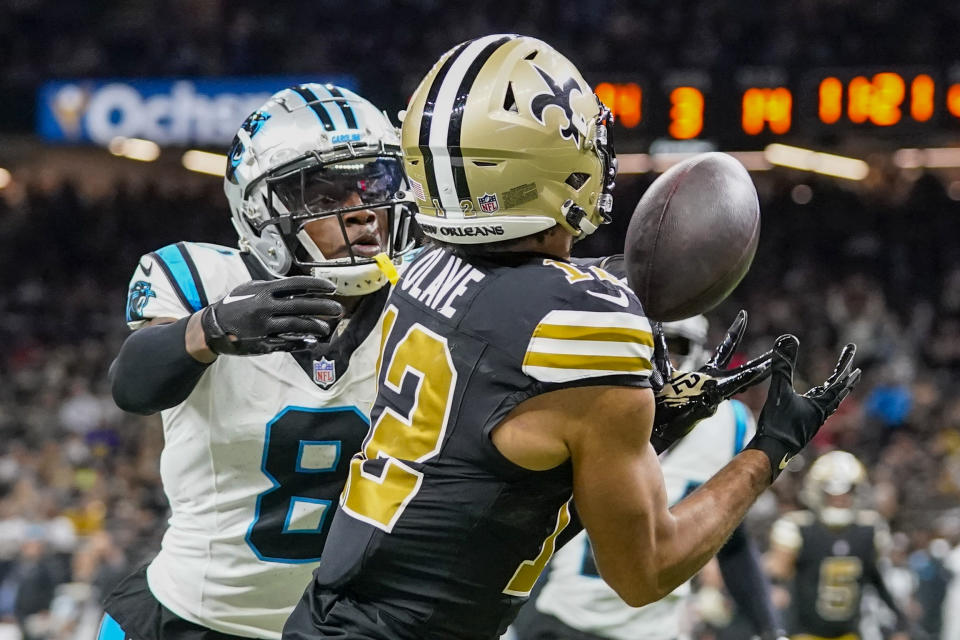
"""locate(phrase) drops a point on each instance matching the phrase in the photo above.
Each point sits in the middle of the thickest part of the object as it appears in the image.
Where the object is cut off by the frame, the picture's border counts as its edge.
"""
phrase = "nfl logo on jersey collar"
(324, 372)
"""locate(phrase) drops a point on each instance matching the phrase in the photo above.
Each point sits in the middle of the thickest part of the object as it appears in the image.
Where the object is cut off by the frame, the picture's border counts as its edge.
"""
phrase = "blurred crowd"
(42, 39)
(81, 503)
(80, 497)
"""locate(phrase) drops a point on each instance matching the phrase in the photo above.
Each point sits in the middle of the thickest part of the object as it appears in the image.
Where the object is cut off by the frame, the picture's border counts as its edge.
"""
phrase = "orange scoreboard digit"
(686, 113)
(625, 100)
(882, 99)
(754, 106)
(766, 108)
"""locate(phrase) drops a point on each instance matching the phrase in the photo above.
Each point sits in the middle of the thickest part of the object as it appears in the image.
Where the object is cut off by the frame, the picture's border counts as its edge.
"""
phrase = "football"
(692, 236)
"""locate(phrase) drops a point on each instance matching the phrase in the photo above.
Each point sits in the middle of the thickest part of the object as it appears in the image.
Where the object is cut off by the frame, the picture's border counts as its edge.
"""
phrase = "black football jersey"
(437, 532)
(832, 567)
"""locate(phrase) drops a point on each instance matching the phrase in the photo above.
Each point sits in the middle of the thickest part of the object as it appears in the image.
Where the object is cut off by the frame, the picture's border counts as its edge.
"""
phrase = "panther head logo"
(137, 298)
(560, 96)
(251, 125)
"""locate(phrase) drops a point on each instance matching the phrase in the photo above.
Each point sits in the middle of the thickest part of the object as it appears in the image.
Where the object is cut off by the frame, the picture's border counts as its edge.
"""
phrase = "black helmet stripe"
(456, 119)
(427, 120)
(314, 103)
(458, 72)
(344, 106)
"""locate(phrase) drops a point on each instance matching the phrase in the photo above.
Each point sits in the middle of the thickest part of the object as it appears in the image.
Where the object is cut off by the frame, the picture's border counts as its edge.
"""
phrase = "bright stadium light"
(939, 158)
(663, 161)
(632, 163)
(826, 164)
(5, 178)
(134, 149)
(214, 164)
(752, 160)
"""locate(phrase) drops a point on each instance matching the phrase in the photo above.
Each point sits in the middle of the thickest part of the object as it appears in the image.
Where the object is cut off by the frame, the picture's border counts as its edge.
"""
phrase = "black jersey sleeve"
(593, 331)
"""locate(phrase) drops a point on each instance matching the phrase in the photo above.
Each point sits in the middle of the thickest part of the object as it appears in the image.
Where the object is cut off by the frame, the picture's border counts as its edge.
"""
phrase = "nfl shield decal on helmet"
(488, 203)
(324, 372)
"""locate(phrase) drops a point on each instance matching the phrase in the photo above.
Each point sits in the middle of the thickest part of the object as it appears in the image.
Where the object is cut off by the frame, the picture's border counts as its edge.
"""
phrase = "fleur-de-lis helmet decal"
(559, 96)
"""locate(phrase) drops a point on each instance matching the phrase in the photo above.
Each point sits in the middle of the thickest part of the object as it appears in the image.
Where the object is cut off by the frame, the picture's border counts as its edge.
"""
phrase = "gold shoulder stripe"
(599, 334)
(572, 273)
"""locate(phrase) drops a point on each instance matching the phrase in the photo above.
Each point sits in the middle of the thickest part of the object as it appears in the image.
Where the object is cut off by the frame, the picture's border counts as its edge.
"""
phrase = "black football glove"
(684, 398)
(263, 316)
(789, 420)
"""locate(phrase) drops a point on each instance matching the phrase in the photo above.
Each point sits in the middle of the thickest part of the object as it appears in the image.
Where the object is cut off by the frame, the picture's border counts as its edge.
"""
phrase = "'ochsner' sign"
(169, 112)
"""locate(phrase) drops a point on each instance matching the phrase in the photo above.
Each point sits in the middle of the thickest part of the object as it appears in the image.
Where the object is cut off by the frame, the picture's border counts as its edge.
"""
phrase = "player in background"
(574, 601)
(261, 413)
(830, 552)
(512, 381)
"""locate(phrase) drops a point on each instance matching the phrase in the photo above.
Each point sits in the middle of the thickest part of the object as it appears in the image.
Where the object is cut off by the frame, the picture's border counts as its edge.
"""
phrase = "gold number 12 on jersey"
(380, 498)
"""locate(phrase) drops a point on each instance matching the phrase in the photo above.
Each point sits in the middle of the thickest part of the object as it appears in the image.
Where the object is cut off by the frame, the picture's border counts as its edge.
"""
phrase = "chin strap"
(576, 217)
(387, 267)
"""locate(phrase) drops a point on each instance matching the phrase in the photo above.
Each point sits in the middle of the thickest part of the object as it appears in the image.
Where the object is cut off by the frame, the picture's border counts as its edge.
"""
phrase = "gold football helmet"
(836, 487)
(503, 139)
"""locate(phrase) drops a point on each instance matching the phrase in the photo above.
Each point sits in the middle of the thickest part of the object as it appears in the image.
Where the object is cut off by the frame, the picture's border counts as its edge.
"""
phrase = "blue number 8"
(291, 520)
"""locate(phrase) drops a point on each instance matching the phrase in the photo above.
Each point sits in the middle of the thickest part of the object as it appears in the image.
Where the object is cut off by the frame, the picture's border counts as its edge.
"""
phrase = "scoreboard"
(757, 106)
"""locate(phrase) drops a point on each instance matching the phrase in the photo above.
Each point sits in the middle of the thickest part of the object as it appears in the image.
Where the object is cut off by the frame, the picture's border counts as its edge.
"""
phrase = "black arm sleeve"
(876, 578)
(744, 579)
(153, 370)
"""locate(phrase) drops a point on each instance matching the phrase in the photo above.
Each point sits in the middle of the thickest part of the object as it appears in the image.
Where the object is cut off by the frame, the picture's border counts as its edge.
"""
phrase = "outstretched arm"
(643, 549)
(159, 365)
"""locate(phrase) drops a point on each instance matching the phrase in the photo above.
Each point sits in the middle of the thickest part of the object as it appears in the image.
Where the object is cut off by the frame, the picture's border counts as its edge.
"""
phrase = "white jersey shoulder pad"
(180, 279)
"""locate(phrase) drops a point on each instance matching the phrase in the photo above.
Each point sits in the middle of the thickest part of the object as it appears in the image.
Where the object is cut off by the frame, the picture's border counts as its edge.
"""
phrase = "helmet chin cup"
(837, 516)
(354, 280)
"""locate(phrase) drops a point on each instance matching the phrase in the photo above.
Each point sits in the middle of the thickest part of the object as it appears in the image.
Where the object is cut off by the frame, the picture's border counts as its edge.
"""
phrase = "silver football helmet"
(832, 476)
(687, 342)
(314, 152)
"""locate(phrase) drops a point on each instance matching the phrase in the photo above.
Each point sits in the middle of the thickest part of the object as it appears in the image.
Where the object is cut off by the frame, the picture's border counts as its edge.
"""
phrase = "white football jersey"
(255, 458)
(575, 594)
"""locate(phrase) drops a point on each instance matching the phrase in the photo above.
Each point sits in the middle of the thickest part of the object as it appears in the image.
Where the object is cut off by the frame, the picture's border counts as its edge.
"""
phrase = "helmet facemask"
(332, 186)
(576, 217)
(315, 153)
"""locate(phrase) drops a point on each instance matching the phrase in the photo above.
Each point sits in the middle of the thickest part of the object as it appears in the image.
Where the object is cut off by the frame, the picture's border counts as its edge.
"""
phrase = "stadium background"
(872, 257)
